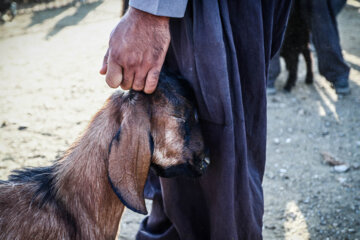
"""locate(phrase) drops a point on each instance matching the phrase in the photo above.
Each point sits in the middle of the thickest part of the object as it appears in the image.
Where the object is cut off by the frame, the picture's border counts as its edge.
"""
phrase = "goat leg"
(309, 72)
(291, 61)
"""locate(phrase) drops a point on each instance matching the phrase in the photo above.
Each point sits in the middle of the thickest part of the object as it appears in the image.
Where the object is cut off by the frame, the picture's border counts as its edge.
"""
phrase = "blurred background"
(51, 52)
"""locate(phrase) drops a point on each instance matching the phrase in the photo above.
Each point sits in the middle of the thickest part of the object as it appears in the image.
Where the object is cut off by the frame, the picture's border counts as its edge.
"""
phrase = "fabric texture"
(274, 70)
(223, 49)
(326, 39)
(166, 8)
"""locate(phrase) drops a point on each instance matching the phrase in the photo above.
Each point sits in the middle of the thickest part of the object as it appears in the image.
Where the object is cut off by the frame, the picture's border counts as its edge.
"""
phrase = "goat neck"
(81, 176)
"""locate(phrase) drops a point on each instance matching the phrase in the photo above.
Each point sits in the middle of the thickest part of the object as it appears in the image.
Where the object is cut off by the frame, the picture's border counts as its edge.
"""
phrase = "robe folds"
(223, 49)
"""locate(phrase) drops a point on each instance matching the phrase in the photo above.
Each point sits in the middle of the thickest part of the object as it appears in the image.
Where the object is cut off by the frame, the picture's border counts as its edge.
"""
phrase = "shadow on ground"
(81, 12)
(39, 17)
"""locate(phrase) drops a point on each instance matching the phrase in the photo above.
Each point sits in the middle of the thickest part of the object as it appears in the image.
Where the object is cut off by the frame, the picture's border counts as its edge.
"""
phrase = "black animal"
(7, 6)
(296, 42)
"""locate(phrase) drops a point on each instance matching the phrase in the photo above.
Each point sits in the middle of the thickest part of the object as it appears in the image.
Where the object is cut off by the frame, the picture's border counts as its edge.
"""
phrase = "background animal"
(82, 195)
(7, 6)
(296, 42)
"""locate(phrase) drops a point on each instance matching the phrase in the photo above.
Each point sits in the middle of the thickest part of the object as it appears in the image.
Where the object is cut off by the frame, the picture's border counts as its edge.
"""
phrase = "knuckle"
(147, 62)
(116, 57)
(132, 61)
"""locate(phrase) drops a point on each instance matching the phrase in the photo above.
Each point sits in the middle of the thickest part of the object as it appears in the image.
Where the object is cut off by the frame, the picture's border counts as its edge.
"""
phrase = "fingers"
(152, 80)
(127, 82)
(139, 81)
(114, 75)
(128, 78)
(103, 69)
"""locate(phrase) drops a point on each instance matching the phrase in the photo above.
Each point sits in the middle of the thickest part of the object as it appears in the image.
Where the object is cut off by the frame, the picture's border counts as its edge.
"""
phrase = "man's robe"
(223, 49)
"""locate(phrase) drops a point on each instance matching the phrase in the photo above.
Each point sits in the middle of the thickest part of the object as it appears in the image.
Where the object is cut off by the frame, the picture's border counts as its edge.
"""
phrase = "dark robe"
(223, 49)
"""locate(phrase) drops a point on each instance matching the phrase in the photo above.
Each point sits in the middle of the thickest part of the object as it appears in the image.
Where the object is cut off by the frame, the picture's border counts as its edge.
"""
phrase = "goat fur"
(78, 196)
(64, 200)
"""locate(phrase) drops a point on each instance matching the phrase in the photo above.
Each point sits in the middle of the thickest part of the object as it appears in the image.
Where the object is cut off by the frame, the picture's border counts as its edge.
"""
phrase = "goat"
(296, 42)
(82, 195)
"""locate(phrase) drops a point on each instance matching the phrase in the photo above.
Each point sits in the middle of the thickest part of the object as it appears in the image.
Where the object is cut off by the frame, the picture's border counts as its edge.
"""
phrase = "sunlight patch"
(295, 224)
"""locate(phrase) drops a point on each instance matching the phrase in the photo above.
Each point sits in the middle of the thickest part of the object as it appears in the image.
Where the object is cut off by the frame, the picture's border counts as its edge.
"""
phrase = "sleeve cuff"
(165, 8)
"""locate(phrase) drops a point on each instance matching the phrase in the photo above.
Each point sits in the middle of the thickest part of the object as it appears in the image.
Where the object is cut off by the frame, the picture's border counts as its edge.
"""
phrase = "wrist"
(144, 16)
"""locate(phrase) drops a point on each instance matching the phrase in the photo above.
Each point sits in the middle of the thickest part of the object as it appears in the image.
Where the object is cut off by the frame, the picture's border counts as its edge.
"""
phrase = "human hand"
(136, 52)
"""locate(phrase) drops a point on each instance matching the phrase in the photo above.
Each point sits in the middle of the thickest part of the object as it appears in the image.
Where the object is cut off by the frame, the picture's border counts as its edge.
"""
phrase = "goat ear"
(129, 158)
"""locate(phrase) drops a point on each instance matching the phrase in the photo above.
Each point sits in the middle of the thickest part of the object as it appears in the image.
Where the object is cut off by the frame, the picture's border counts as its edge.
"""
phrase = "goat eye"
(196, 116)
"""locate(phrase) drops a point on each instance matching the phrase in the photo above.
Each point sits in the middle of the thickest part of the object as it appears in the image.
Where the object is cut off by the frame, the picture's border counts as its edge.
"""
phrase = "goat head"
(160, 130)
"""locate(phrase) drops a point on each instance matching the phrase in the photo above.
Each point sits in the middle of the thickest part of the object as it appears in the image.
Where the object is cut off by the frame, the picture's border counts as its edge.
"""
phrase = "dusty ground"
(50, 88)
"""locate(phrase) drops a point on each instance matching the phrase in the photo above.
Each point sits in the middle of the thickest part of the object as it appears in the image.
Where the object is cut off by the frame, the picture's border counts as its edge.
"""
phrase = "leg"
(309, 72)
(217, 50)
(327, 42)
(157, 225)
(292, 61)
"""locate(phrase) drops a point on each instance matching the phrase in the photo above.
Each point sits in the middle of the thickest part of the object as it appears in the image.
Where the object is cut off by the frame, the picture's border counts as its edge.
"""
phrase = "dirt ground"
(50, 88)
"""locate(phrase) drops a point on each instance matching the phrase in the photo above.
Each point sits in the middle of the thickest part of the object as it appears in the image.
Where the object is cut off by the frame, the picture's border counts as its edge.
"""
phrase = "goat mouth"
(184, 169)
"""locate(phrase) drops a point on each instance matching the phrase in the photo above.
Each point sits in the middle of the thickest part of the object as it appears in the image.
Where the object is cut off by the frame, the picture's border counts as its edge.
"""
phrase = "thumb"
(104, 66)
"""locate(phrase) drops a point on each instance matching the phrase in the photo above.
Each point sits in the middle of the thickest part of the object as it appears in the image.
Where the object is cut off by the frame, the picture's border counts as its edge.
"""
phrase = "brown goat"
(78, 196)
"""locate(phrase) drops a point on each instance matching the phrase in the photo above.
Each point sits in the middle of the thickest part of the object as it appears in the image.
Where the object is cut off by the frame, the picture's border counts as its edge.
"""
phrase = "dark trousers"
(325, 37)
(223, 49)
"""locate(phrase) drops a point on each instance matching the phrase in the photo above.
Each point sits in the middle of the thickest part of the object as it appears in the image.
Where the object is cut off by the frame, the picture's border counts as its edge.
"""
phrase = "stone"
(324, 133)
(329, 159)
(301, 112)
(270, 227)
(341, 168)
(276, 141)
(355, 165)
(341, 179)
